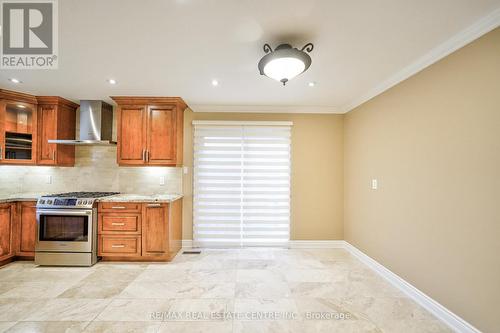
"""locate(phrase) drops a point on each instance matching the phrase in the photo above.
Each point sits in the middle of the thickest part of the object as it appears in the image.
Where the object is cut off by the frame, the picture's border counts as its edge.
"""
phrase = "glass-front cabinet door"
(18, 129)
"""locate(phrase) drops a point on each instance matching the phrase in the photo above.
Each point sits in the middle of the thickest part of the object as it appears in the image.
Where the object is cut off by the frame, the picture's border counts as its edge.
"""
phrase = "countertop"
(28, 196)
(33, 196)
(141, 198)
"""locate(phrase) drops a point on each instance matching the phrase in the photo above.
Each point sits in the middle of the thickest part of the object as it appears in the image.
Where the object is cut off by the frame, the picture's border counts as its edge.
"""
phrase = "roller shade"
(241, 184)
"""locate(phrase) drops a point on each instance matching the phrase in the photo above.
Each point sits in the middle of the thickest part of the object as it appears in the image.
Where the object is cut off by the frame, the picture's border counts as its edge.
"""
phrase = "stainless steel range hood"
(96, 125)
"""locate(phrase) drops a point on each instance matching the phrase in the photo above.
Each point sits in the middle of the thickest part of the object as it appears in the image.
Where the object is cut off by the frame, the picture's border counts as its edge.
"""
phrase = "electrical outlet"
(374, 184)
(162, 180)
(48, 180)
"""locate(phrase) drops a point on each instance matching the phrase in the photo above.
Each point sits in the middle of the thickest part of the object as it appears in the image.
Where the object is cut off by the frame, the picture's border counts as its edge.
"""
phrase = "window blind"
(241, 185)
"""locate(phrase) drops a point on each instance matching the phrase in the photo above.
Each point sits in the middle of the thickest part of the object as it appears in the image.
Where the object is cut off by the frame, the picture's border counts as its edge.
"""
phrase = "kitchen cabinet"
(18, 128)
(139, 231)
(150, 131)
(26, 228)
(57, 119)
(155, 234)
(7, 216)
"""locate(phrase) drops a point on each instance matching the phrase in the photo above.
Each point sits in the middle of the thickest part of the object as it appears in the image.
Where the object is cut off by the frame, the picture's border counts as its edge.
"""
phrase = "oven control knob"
(49, 202)
(84, 202)
(42, 202)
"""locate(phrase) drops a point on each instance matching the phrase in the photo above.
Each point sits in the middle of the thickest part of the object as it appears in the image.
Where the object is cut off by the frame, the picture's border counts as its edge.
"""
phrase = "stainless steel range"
(66, 233)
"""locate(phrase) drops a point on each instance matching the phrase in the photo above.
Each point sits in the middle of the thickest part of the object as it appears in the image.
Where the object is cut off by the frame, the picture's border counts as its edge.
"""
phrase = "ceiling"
(177, 47)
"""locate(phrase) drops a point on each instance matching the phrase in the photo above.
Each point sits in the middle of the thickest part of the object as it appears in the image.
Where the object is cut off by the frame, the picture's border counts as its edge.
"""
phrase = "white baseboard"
(446, 316)
(187, 244)
(316, 244)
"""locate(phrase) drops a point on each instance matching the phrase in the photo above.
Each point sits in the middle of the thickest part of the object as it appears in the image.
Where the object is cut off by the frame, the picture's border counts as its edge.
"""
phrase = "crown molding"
(473, 32)
(264, 108)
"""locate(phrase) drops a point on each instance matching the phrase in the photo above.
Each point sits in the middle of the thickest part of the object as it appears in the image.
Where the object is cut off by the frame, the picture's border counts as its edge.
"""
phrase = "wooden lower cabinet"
(26, 228)
(119, 246)
(155, 232)
(7, 216)
(139, 231)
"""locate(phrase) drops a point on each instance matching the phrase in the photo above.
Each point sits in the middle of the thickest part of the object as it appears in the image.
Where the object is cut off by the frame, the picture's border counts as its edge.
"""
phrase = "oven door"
(64, 230)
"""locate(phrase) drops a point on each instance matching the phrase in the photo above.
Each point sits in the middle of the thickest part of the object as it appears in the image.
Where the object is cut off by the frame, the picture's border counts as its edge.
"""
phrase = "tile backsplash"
(95, 170)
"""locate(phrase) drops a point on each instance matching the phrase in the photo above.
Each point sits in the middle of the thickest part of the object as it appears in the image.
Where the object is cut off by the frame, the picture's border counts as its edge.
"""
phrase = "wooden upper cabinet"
(161, 141)
(150, 131)
(57, 121)
(132, 135)
(18, 128)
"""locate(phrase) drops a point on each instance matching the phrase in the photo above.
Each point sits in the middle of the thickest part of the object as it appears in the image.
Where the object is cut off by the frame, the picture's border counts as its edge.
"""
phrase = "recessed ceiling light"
(111, 81)
(311, 84)
(215, 83)
(14, 80)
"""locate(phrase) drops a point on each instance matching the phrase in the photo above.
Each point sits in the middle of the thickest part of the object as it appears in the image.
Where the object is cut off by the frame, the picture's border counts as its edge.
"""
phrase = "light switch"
(162, 180)
(374, 184)
(185, 170)
(48, 180)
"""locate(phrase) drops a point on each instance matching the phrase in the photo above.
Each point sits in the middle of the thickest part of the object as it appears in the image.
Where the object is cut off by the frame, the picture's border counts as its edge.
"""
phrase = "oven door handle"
(64, 212)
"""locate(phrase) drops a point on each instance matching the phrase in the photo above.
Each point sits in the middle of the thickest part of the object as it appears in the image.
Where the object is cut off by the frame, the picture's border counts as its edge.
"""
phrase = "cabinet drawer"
(120, 223)
(119, 245)
(115, 207)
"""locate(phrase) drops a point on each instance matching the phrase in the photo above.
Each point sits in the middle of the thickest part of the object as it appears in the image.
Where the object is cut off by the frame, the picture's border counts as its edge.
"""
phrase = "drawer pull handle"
(115, 223)
(154, 205)
(118, 207)
(117, 245)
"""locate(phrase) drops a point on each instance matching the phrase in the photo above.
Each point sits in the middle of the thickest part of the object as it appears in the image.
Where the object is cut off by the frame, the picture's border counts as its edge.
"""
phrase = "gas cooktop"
(82, 200)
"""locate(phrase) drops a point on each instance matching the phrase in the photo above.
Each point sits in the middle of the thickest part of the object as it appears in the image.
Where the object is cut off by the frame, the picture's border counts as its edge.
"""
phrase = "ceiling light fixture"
(215, 83)
(311, 84)
(111, 81)
(14, 80)
(285, 62)
(21, 106)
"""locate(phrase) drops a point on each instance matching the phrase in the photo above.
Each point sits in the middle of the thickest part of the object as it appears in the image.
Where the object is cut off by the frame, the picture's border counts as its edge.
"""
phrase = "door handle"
(144, 155)
(147, 155)
(118, 245)
(53, 155)
(118, 207)
(1, 153)
(114, 223)
(154, 205)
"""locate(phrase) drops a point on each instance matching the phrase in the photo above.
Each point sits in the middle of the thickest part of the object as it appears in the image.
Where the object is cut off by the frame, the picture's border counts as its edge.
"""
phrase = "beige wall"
(433, 142)
(317, 172)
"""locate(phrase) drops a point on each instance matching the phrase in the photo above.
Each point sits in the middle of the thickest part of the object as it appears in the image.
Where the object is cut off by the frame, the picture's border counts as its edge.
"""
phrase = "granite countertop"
(27, 196)
(33, 196)
(141, 198)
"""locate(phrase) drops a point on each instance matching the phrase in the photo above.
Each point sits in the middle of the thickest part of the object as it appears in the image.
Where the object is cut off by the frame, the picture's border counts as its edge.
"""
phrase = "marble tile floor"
(239, 290)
